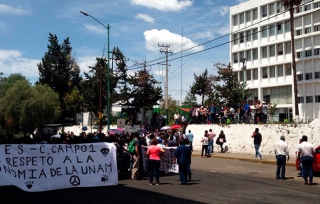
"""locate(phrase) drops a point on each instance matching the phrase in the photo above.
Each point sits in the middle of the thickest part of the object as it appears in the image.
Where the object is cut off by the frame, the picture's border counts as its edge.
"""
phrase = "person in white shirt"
(281, 151)
(306, 154)
(176, 118)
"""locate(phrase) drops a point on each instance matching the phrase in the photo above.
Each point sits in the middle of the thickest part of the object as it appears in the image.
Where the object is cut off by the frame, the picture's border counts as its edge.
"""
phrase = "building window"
(308, 76)
(288, 47)
(255, 14)
(299, 54)
(317, 75)
(248, 35)
(288, 69)
(299, 77)
(248, 55)
(307, 30)
(241, 18)
(235, 57)
(279, 7)
(255, 74)
(317, 98)
(316, 28)
(271, 9)
(272, 50)
(248, 74)
(264, 11)
(255, 34)
(299, 32)
(241, 76)
(272, 71)
(264, 31)
(308, 53)
(235, 20)
(300, 99)
(279, 29)
(241, 55)
(248, 16)
(298, 9)
(316, 5)
(241, 37)
(309, 99)
(265, 72)
(280, 49)
(317, 51)
(264, 52)
(280, 70)
(307, 7)
(235, 39)
(255, 54)
(287, 26)
(272, 30)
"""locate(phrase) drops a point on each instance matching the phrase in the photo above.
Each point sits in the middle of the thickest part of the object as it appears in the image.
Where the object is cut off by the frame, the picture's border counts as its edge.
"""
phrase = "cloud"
(205, 35)
(224, 30)
(6, 9)
(95, 28)
(145, 17)
(224, 10)
(11, 62)
(241, 1)
(163, 5)
(154, 36)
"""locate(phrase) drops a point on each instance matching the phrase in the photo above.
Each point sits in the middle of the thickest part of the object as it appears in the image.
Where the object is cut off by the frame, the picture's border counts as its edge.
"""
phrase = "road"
(214, 180)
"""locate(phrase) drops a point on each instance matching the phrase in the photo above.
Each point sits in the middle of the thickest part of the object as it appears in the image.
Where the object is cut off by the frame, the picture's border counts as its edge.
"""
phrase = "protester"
(220, 140)
(154, 152)
(183, 156)
(257, 116)
(282, 154)
(135, 158)
(190, 137)
(299, 160)
(257, 139)
(176, 118)
(211, 138)
(205, 141)
(306, 153)
(264, 112)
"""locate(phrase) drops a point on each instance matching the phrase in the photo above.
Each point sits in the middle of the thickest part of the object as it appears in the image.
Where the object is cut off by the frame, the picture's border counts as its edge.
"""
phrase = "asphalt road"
(214, 180)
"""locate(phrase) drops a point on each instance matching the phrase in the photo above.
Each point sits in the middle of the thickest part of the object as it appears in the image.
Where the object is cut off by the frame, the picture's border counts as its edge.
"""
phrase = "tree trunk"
(294, 67)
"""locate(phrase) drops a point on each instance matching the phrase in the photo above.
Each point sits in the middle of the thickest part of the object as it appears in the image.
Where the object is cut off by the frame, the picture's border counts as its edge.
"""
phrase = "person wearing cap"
(257, 139)
(282, 155)
(306, 154)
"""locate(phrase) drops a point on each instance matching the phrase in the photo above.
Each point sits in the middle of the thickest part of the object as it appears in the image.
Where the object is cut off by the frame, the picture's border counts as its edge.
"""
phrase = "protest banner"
(166, 158)
(45, 167)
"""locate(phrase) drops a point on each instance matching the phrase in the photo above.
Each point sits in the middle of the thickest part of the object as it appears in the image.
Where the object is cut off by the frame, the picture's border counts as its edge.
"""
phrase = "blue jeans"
(307, 163)
(183, 172)
(154, 166)
(281, 164)
(257, 151)
(210, 147)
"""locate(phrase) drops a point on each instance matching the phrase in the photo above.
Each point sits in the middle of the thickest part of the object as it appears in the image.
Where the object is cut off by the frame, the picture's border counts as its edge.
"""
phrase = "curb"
(247, 159)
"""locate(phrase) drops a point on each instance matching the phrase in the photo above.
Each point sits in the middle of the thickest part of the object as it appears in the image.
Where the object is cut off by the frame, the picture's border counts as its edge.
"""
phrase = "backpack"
(131, 147)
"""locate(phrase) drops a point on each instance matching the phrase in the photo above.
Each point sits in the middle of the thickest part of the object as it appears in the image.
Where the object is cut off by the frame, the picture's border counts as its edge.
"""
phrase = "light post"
(108, 72)
(243, 69)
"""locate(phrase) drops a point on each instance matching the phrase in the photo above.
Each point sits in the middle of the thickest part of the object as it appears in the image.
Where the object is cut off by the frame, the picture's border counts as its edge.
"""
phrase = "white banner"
(166, 159)
(56, 166)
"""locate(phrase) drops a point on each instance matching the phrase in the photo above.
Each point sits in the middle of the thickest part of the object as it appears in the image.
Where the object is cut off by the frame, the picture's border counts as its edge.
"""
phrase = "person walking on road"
(282, 155)
(183, 156)
(154, 152)
(306, 153)
(257, 139)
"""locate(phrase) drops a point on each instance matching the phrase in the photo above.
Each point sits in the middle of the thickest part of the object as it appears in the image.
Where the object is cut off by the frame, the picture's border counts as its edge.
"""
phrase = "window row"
(248, 15)
(272, 29)
(278, 95)
(309, 99)
(307, 30)
(248, 35)
(272, 8)
(308, 76)
(308, 53)
(307, 7)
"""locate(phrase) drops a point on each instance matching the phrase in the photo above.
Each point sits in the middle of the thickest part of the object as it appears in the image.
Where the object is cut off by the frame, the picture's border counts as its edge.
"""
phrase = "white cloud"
(11, 62)
(224, 10)
(95, 28)
(163, 5)
(224, 30)
(154, 36)
(145, 17)
(6, 9)
(205, 35)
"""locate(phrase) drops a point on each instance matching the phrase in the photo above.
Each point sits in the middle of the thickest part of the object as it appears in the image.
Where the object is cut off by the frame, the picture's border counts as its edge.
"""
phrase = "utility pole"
(165, 49)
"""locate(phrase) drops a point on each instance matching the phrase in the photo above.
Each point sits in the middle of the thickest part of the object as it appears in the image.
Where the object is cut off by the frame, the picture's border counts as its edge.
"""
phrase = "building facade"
(260, 53)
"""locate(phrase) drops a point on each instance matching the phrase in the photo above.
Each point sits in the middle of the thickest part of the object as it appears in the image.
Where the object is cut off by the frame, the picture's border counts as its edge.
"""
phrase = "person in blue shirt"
(183, 157)
(247, 111)
(190, 137)
(213, 113)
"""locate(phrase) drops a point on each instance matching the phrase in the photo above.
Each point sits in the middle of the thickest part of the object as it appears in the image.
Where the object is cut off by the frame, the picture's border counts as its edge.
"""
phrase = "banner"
(166, 159)
(55, 166)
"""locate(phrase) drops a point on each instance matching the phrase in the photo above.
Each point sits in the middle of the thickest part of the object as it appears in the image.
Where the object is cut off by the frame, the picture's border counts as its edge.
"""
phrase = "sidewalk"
(247, 157)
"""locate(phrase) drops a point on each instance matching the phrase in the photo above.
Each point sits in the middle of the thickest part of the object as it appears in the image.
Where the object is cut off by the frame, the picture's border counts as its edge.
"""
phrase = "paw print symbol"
(29, 184)
(104, 178)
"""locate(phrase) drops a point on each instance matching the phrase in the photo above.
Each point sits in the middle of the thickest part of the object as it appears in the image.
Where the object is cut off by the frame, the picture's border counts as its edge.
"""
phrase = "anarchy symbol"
(74, 180)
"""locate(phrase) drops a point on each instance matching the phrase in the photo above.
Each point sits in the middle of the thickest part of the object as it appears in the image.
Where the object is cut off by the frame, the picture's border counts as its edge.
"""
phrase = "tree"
(290, 4)
(59, 70)
(190, 99)
(7, 82)
(202, 85)
(171, 109)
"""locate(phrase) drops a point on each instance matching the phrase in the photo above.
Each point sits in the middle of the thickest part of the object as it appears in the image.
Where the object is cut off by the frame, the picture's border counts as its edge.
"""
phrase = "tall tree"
(190, 99)
(59, 70)
(7, 82)
(290, 4)
(202, 85)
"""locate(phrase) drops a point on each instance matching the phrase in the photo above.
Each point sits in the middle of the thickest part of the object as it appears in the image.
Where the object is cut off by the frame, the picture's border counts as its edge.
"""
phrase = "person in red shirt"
(154, 153)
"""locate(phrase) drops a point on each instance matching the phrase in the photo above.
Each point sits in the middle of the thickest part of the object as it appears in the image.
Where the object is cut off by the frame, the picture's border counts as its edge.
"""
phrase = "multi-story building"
(260, 52)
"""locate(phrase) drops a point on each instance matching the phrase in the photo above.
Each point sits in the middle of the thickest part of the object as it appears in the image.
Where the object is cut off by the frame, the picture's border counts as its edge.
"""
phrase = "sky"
(199, 28)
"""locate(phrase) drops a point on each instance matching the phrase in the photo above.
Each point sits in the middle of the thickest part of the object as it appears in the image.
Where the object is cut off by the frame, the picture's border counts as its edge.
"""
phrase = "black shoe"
(283, 178)
(278, 177)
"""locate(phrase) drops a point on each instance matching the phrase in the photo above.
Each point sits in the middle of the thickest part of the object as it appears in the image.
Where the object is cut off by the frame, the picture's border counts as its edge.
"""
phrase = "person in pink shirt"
(154, 153)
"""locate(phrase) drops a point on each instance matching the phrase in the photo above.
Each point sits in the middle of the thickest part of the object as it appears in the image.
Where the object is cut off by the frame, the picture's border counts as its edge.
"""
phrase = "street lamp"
(108, 71)
(243, 69)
